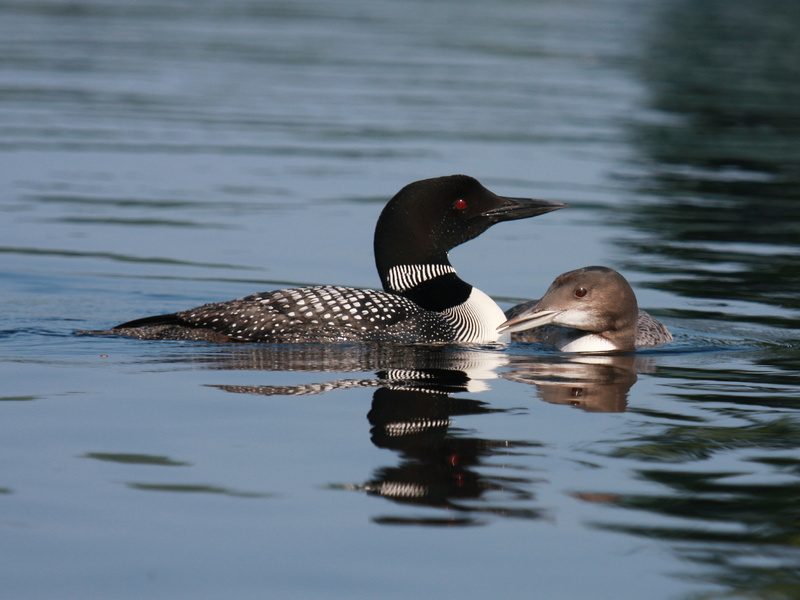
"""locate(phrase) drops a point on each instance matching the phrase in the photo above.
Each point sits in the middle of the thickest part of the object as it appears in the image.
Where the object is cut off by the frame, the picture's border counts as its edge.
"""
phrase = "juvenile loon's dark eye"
(460, 204)
(580, 292)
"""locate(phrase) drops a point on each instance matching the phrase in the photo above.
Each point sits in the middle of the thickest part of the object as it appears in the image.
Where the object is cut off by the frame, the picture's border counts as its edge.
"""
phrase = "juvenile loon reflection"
(594, 383)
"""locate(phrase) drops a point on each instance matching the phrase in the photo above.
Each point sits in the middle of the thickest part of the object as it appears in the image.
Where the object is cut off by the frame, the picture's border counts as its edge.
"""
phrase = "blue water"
(156, 156)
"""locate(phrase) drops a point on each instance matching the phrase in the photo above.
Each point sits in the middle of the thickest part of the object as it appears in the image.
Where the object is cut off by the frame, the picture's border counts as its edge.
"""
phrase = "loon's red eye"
(460, 204)
(580, 292)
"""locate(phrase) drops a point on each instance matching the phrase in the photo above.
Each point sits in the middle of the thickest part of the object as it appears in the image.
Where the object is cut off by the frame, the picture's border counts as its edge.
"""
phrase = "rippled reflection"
(720, 224)
(441, 465)
(742, 522)
(412, 413)
(723, 158)
(725, 478)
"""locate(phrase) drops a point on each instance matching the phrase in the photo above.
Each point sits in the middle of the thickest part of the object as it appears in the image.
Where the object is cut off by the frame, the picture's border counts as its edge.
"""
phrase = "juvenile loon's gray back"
(423, 300)
(592, 309)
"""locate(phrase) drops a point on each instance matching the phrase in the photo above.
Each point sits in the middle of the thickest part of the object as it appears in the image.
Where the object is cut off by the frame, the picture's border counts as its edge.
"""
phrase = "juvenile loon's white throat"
(588, 343)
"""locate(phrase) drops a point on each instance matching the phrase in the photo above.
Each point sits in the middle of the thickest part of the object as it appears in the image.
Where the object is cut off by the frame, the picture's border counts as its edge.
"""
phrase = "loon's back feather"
(308, 314)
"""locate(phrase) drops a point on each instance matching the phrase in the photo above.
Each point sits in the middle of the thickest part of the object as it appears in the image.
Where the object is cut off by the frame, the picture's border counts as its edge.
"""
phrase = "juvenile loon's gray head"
(595, 300)
(428, 218)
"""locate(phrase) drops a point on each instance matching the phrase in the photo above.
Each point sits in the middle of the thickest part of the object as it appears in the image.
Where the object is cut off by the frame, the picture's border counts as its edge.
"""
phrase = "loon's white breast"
(478, 319)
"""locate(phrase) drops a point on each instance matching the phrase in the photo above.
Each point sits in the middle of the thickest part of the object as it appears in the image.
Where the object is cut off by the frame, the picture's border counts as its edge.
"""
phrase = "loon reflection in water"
(415, 413)
(597, 383)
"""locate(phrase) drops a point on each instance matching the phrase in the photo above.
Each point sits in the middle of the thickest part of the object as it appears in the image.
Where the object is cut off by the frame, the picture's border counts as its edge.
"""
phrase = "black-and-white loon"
(424, 300)
(592, 309)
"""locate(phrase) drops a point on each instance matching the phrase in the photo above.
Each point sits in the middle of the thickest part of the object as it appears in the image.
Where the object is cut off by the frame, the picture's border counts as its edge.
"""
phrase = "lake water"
(158, 155)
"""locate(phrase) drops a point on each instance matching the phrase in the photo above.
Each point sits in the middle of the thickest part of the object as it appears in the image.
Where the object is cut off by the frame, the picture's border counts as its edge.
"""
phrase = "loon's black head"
(428, 218)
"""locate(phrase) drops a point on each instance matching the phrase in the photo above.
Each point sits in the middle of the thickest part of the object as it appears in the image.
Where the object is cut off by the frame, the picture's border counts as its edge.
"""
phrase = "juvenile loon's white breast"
(589, 343)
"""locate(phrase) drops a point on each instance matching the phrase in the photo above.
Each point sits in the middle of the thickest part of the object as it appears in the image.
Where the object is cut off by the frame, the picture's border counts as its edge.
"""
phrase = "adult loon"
(424, 299)
(592, 309)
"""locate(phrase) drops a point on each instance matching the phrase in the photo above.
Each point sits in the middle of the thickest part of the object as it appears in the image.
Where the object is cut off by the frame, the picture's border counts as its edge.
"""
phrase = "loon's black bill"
(529, 320)
(521, 208)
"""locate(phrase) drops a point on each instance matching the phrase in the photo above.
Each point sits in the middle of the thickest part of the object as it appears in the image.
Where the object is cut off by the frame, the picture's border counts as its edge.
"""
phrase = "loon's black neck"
(406, 257)
(432, 286)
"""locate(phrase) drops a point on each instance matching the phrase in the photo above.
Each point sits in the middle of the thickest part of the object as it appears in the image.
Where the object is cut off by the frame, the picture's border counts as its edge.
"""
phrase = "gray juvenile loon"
(424, 300)
(594, 309)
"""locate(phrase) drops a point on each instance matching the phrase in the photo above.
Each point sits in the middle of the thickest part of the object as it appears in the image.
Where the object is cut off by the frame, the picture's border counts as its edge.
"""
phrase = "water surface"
(159, 156)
